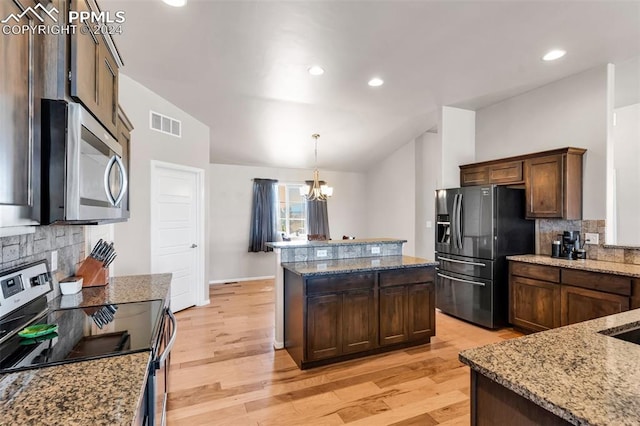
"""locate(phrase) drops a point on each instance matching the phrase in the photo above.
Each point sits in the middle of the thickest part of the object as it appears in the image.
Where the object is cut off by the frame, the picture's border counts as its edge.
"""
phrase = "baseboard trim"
(235, 280)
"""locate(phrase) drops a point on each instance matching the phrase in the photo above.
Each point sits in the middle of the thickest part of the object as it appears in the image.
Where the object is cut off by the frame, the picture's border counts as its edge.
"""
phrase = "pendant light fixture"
(316, 189)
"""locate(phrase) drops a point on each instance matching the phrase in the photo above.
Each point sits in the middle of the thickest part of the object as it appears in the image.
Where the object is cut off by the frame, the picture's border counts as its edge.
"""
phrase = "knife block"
(93, 272)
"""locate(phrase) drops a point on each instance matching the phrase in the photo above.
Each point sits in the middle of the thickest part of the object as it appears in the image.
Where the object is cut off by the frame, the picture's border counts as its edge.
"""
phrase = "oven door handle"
(107, 187)
(125, 181)
(174, 331)
(461, 280)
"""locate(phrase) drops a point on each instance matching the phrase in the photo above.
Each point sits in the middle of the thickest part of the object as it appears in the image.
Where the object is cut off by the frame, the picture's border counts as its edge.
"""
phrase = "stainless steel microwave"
(84, 179)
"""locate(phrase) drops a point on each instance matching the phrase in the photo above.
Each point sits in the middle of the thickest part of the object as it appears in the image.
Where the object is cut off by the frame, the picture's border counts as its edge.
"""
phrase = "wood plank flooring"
(224, 371)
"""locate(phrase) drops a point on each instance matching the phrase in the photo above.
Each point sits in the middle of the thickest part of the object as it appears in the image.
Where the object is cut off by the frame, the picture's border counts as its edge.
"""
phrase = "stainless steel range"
(83, 332)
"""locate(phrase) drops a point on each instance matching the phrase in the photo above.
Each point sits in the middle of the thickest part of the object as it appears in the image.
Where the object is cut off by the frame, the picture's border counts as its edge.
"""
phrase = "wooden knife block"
(93, 273)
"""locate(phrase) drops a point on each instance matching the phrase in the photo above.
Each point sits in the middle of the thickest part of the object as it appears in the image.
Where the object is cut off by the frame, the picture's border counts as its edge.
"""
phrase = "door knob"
(194, 245)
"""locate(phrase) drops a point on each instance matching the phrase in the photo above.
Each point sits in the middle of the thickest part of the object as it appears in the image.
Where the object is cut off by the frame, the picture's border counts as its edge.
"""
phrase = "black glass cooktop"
(85, 333)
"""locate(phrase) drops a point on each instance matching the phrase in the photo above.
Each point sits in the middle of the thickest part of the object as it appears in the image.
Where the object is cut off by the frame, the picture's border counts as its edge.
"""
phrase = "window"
(292, 210)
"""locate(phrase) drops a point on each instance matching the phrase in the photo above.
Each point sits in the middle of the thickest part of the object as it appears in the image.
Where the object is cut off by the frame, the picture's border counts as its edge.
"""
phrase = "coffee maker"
(570, 243)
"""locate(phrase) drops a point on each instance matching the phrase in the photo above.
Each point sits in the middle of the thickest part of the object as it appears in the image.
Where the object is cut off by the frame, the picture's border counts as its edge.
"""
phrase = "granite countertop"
(575, 372)
(125, 289)
(360, 264)
(100, 392)
(357, 241)
(582, 264)
(106, 391)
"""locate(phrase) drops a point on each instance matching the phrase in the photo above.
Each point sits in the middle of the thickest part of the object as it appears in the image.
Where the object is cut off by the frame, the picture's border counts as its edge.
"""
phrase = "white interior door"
(176, 229)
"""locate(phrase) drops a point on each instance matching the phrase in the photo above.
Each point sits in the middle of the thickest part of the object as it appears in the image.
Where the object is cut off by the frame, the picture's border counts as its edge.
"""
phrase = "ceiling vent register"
(165, 124)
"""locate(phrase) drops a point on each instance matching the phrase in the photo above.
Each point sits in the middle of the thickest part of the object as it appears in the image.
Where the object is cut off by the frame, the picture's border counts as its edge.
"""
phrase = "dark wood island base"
(336, 317)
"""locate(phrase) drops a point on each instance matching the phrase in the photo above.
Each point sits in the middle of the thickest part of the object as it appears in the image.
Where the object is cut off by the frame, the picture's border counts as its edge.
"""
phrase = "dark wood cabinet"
(543, 297)
(21, 87)
(552, 180)
(581, 304)
(331, 318)
(535, 304)
(124, 129)
(94, 72)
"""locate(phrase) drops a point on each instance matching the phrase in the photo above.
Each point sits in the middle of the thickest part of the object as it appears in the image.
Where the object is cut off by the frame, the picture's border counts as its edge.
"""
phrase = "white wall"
(428, 179)
(568, 112)
(457, 132)
(231, 189)
(132, 238)
(391, 202)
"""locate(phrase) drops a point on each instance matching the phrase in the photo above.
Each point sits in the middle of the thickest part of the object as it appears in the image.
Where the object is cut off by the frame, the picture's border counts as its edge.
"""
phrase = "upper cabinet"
(94, 70)
(124, 128)
(21, 88)
(552, 180)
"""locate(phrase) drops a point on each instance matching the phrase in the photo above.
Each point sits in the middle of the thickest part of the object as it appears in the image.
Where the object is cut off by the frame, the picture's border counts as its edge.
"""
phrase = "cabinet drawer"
(405, 276)
(510, 172)
(597, 281)
(474, 176)
(539, 272)
(329, 284)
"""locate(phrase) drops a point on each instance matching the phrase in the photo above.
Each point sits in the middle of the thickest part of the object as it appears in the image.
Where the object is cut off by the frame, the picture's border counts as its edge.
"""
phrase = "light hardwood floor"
(224, 371)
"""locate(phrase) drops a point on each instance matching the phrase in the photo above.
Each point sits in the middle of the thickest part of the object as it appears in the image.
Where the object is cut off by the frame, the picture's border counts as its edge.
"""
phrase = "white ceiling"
(241, 66)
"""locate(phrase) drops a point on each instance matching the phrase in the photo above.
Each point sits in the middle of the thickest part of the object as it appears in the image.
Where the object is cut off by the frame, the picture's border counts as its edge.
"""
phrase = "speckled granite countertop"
(100, 392)
(358, 241)
(106, 391)
(131, 288)
(575, 372)
(361, 264)
(585, 264)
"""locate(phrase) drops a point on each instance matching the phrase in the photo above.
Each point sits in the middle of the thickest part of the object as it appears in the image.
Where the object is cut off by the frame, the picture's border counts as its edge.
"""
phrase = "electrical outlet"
(592, 238)
(375, 250)
(321, 267)
(321, 253)
(429, 225)
(375, 262)
(54, 260)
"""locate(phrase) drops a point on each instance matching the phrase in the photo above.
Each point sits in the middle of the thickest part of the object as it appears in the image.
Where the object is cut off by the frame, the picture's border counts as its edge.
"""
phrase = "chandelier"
(316, 189)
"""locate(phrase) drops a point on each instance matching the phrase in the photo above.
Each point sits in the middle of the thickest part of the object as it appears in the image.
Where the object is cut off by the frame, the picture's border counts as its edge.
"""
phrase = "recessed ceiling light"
(552, 55)
(175, 3)
(375, 82)
(316, 70)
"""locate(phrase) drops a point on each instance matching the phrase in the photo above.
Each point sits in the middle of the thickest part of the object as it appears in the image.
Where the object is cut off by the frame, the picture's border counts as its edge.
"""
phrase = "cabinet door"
(359, 321)
(324, 326)
(474, 176)
(94, 73)
(534, 304)
(544, 186)
(21, 86)
(581, 304)
(107, 87)
(393, 315)
(421, 321)
(506, 173)
(124, 139)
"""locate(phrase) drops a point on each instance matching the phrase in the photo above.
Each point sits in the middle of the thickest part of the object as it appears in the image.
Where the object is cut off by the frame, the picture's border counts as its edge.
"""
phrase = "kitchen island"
(106, 391)
(308, 251)
(578, 374)
(346, 308)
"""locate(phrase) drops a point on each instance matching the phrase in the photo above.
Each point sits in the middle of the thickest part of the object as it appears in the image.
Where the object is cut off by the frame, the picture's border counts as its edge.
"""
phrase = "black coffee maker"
(570, 243)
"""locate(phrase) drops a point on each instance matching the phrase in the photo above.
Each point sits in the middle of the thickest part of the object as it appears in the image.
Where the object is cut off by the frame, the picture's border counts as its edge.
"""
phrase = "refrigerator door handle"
(461, 280)
(446, 259)
(454, 237)
(459, 221)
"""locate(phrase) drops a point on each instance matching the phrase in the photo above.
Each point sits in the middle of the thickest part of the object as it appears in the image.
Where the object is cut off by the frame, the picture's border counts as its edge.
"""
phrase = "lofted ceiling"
(240, 67)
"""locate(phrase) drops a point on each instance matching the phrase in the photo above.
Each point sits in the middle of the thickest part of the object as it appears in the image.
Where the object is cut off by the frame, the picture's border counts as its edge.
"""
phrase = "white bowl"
(71, 285)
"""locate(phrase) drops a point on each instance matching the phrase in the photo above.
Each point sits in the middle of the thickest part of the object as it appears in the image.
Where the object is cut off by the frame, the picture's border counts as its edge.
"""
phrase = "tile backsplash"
(67, 240)
(547, 230)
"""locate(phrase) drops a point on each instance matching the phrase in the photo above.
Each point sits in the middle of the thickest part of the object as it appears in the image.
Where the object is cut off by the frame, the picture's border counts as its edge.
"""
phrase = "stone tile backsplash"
(547, 230)
(309, 254)
(67, 240)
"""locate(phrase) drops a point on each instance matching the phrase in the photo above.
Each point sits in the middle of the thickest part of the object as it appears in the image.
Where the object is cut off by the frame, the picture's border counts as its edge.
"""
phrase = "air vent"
(165, 124)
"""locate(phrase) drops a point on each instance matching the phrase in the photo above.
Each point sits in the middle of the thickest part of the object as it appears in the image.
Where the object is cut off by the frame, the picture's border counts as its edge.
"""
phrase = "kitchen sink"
(632, 335)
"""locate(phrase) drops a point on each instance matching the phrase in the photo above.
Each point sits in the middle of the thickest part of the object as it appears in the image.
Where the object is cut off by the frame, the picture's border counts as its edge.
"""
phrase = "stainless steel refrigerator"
(476, 228)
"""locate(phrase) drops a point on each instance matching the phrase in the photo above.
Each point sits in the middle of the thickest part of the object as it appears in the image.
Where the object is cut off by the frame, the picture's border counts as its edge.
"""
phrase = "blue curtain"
(318, 218)
(264, 215)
